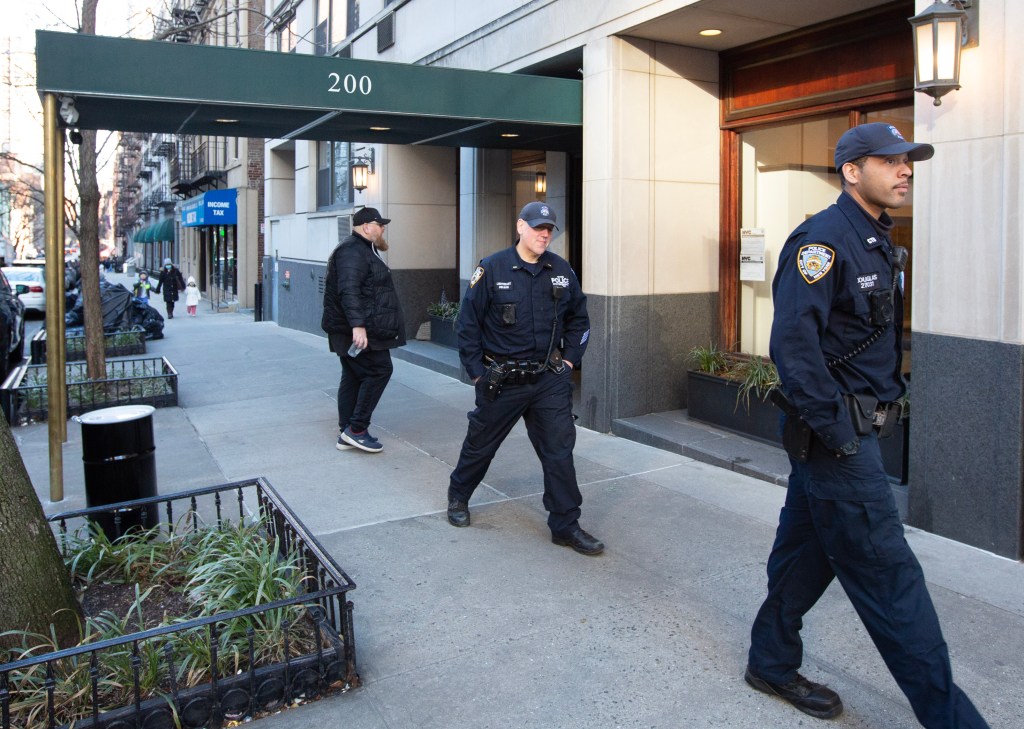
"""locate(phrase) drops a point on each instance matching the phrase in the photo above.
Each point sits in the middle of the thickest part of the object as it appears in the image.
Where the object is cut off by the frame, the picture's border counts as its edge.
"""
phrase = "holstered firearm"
(797, 435)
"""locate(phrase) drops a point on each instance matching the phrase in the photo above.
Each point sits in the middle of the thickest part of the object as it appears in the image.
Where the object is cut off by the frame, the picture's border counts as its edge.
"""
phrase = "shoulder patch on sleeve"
(477, 275)
(815, 261)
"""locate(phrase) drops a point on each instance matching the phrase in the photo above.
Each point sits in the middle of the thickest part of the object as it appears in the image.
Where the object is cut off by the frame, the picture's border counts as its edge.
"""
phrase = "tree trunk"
(89, 236)
(37, 589)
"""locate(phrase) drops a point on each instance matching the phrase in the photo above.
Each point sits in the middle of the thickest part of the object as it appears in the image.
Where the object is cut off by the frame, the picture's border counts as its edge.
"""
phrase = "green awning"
(164, 230)
(140, 235)
(159, 86)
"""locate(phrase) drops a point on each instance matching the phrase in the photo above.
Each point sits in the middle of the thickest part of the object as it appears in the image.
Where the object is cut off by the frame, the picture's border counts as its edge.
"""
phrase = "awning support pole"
(53, 159)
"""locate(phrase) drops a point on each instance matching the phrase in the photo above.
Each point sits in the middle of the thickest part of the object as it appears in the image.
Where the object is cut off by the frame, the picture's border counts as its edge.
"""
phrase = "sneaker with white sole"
(343, 446)
(364, 441)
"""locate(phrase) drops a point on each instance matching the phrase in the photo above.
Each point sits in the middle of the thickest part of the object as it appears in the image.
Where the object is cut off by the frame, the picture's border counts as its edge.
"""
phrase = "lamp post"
(939, 34)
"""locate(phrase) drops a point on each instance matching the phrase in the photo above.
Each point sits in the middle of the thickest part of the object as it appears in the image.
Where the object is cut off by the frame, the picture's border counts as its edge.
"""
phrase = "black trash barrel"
(120, 465)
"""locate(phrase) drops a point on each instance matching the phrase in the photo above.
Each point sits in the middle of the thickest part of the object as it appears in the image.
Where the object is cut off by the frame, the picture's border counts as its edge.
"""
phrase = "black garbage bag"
(115, 304)
(148, 318)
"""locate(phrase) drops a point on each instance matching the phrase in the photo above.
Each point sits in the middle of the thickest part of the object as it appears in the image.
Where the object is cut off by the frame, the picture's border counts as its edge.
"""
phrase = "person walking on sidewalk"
(142, 287)
(363, 321)
(170, 282)
(837, 342)
(192, 296)
(523, 328)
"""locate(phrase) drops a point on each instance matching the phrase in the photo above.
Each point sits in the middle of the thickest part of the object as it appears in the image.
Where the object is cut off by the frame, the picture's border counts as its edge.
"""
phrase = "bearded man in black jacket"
(363, 320)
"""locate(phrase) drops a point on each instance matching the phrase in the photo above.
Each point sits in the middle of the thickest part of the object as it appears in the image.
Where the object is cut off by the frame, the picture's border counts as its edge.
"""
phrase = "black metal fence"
(139, 381)
(155, 697)
(122, 343)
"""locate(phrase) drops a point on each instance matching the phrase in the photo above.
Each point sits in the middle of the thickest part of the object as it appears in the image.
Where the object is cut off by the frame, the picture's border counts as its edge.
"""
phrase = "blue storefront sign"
(216, 207)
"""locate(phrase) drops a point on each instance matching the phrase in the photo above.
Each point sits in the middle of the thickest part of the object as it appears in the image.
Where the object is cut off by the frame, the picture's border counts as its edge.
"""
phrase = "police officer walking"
(522, 329)
(837, 342)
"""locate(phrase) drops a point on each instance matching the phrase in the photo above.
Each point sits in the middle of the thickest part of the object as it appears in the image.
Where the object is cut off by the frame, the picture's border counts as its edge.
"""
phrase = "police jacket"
(359, 292)
(510, 306)
(823, 340)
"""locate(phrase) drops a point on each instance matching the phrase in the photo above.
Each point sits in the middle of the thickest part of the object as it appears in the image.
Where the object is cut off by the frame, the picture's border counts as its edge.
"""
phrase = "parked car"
(35, 279)
(12, 325)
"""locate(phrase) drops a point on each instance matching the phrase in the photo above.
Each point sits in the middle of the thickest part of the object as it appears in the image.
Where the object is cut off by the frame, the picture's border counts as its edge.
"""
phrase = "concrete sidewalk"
(493, 626)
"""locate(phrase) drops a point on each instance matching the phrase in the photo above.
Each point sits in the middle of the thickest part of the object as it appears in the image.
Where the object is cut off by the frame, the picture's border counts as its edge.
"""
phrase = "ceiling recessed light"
(380, 129)
(509, 135)
(711, 32)
(226, 121)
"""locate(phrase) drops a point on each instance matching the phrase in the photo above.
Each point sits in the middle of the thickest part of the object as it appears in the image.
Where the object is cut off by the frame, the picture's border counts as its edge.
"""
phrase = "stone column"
(967, 393)
(485, 205)
(650, 222)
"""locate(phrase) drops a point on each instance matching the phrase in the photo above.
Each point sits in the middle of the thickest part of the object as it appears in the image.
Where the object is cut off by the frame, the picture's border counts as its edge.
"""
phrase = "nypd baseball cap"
(369, 215)
(878, 140)
(537, 213)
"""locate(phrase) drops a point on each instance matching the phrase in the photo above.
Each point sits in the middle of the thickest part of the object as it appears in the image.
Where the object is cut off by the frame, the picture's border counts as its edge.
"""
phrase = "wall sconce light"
(362, 168)
(940, 31)
(540, 183)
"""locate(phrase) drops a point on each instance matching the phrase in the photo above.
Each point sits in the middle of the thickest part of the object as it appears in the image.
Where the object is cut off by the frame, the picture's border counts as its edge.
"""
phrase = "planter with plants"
(730, 391)
(121, 343)
(139, 381)
(226, 610)
(443, 314)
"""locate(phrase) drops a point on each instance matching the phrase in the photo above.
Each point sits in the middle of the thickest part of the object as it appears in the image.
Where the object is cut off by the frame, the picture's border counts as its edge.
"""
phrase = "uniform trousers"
(363, 379)
(546, 407)
(840, 520)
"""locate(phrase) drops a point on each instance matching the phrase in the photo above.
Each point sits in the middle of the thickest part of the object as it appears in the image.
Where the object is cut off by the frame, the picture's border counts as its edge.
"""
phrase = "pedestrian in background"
(837, 339)
(363, 320)
(170, 282)
(191, 296)
(142, 287)
(523, 328)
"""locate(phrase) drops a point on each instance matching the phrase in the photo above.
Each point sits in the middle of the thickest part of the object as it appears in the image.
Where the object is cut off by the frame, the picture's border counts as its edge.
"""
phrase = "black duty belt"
(867, 415)
(509, 371)
(512, 362)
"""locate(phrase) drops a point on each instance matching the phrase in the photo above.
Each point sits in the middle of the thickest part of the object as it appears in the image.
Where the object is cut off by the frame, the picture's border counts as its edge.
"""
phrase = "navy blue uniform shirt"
(827, 271)
(509, 308)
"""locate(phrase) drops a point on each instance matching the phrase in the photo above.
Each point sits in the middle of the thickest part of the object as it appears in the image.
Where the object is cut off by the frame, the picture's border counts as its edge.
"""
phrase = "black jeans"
(363, 380)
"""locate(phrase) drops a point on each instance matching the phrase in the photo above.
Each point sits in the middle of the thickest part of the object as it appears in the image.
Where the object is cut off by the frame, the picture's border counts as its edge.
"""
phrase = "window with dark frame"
(333, 176)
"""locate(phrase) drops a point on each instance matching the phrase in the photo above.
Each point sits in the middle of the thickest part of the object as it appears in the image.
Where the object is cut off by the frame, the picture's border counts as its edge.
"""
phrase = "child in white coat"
(191, 296)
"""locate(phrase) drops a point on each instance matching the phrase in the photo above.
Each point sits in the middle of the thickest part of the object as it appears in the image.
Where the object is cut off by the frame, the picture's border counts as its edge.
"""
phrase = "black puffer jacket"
(359, 292)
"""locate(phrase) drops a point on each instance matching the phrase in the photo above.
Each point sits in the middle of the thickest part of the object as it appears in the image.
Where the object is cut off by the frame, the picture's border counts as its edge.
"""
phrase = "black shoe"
(580, 541)
(811, 698)
(458, 512)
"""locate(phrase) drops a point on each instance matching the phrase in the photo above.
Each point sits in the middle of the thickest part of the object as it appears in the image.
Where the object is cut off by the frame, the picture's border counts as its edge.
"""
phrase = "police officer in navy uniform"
(837, 342)
(523, 328)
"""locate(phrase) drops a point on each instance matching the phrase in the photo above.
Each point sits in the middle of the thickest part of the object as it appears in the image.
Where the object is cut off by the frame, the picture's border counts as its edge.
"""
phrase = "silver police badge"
(814, 261)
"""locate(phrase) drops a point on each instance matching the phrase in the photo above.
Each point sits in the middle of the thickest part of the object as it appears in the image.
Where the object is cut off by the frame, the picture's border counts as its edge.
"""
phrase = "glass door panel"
(786, 176)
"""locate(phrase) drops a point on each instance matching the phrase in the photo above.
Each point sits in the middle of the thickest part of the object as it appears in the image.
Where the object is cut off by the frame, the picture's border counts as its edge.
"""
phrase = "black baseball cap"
(537, 213)
(369, 215)
(878, 139)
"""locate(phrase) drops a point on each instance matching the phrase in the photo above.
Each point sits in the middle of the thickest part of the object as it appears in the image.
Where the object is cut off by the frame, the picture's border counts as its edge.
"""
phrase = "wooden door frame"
(853, 64)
